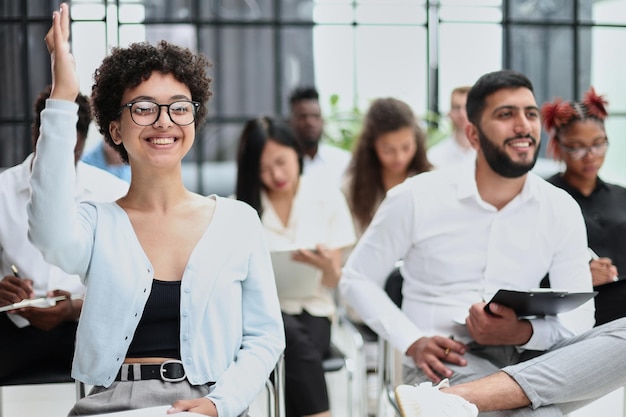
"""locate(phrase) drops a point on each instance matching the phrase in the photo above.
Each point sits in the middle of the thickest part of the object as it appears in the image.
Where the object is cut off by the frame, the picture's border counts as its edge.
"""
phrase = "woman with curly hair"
(181, 309)
(578, 138)
(390, 148)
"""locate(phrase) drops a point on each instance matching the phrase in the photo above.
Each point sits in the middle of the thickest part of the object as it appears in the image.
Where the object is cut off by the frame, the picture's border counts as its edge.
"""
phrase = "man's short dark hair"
(303, 93)
(489, 84)
(84, 114)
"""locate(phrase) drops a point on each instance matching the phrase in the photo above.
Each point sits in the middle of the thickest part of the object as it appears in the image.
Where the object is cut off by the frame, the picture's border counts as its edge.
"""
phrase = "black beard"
(500, 162)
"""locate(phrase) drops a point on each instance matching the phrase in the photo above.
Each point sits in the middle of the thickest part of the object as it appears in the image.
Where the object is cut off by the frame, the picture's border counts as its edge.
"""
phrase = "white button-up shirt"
(329, 164)
(92, 184)
(459, 250)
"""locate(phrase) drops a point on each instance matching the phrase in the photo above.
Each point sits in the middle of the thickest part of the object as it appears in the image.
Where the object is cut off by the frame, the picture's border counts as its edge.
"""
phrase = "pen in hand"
(16, 273)
(595, 257)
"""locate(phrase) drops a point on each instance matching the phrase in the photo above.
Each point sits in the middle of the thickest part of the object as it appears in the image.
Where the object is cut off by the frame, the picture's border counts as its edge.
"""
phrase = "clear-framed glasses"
(579, 152)
(146, 113)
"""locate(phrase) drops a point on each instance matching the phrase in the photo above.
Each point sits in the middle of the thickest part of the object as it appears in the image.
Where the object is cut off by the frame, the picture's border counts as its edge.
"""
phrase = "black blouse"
(604, 211)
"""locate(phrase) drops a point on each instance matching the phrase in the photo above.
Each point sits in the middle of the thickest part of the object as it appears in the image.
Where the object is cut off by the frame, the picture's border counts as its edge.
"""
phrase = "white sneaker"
(424, 400)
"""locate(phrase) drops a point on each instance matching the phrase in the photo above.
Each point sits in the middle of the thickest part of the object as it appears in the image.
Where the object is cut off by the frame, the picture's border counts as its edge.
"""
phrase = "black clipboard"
(540, 303)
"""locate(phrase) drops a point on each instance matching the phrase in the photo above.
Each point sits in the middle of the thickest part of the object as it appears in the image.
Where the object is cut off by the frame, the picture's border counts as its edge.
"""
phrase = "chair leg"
(80, 390)
(356, 368)
(271, 398)
(1, 403)
(350, 376)
(275, 390)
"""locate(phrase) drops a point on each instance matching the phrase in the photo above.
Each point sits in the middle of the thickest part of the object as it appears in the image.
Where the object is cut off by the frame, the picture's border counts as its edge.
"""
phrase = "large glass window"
(352, 50)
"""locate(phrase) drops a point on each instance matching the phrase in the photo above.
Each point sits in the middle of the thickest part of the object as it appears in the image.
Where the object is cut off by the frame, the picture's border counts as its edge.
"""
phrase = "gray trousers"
(128, 395)
(571, 374)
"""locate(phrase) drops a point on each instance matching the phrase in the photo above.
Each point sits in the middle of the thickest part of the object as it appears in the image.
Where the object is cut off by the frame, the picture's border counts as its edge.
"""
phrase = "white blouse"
(319, 215)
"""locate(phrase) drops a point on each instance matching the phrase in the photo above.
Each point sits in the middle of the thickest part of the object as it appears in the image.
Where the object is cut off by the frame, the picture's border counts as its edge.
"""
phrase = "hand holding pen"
(602, 269)
(16, 273)
(13, 288)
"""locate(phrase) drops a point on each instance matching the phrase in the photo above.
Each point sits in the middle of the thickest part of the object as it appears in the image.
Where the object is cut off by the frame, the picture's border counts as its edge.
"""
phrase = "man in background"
(105, 157)
(320, 159)
(455, 149)
(39, 337)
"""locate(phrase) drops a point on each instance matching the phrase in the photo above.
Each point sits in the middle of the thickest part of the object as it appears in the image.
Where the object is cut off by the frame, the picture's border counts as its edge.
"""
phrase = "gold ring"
(446, 351)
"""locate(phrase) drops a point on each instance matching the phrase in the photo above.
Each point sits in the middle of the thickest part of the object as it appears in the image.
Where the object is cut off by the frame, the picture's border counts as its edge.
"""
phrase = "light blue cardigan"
(231, 327)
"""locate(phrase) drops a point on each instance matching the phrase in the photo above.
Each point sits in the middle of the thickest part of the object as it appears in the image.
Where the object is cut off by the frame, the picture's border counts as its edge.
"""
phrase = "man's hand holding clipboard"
(540, 302)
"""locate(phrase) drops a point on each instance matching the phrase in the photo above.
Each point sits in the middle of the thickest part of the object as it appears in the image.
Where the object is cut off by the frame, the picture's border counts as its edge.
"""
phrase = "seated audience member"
(181, 308)
(33, 337)
(313, 218)
(465, 234)
(390, 148)
(456, 149)
(578, 138)
(104, 156)
(321, 161)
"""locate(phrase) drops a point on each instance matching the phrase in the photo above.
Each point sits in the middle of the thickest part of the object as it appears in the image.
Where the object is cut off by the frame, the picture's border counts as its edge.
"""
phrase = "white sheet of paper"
(43, 302)
(294, 279)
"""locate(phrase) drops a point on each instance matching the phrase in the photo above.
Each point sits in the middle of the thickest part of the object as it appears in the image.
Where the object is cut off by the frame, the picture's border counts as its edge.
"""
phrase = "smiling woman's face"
(163, 142)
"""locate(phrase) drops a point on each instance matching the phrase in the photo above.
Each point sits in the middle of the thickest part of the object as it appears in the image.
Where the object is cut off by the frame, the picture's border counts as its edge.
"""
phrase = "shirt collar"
(24, 173)
(561, 183)
(320, 155)
(601, 184)
(466, 181)
(270, 218)
(467, 188)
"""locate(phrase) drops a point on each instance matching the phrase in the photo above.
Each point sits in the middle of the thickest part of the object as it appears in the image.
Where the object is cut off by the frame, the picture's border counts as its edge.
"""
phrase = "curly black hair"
(303, 93)
(127, 67)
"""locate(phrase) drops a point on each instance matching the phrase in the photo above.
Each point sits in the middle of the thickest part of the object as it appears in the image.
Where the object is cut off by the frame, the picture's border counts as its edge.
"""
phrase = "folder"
(294, 279)
(540, 303)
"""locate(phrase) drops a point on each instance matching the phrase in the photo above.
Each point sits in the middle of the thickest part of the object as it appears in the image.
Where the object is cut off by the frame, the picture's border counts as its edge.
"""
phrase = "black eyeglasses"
(579, 152)
(146, 113)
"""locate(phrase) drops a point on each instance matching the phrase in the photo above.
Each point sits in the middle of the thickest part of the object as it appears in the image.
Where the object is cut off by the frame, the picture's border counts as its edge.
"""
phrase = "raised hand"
(65, 84)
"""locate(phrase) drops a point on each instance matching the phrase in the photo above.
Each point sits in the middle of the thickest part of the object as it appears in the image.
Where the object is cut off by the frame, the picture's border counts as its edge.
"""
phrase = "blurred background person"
(390, 148)
(34, 337)
(321, 160)
(455, 149)
(105, 157)
(313, 217)
(578, 139)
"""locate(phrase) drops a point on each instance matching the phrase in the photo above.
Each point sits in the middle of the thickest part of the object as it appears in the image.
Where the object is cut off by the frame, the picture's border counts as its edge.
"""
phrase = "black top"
(158, 331)
(604, 211)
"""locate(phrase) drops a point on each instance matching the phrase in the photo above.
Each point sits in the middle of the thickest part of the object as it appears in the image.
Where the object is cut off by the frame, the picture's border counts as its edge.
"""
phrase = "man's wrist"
(527, 332)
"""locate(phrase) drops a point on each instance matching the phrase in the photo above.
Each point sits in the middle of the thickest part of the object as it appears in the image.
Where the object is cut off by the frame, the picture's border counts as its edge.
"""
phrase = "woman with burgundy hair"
(578, 138)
